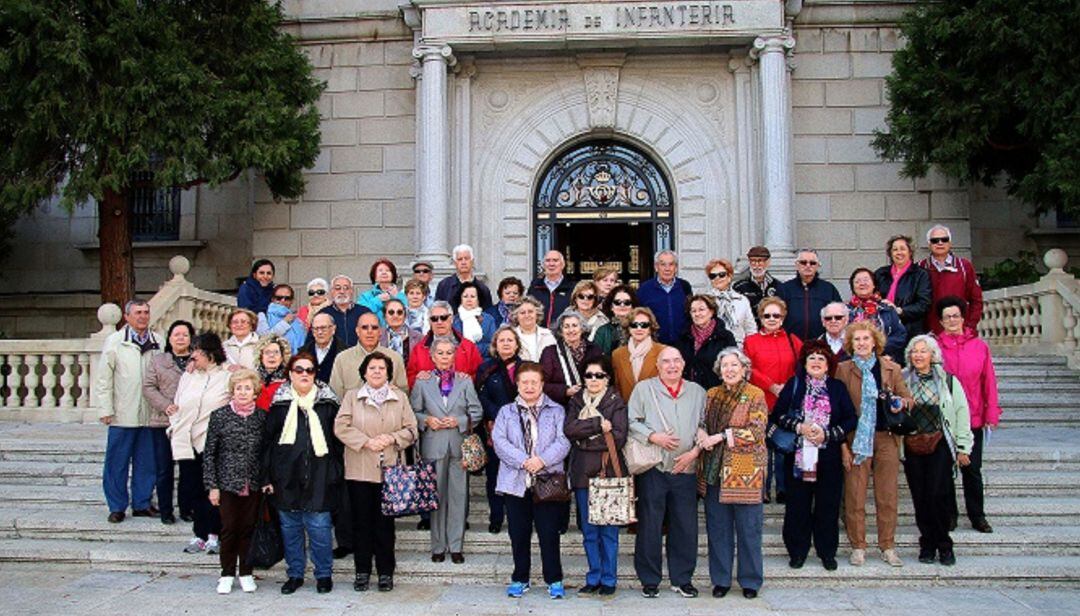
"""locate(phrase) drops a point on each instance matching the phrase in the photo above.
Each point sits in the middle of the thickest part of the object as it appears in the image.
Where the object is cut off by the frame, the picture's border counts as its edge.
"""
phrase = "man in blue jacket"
(806, 294)
(666, 296)
(553, 289)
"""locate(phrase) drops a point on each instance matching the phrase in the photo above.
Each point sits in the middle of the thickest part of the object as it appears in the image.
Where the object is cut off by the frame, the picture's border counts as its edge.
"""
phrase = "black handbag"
(548, 487)
(899, 422)
(782, 439)
(267, 548)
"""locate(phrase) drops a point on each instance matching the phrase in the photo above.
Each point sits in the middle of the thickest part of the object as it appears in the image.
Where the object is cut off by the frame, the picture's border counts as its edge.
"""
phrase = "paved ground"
(32, 590)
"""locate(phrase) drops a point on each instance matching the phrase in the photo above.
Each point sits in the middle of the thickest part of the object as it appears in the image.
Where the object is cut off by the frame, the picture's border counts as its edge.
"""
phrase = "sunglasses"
(640, 325)
(834, 317)
(621, 302)
(598, 376)
(395, 312)
(316, 292)
(940, 240)
(283, 298)
(440, 318)
(303, 370)
(421, 270)
(367, 328)
(772, 315)
(715, 275)
(587, 296)
(806, 262)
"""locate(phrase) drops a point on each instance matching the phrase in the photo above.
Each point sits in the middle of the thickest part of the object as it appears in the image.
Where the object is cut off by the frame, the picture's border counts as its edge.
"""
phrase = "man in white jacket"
(124, 357)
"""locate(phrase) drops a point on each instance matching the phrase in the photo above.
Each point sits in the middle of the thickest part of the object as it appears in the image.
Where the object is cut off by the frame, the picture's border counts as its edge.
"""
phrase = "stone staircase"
(52, 512)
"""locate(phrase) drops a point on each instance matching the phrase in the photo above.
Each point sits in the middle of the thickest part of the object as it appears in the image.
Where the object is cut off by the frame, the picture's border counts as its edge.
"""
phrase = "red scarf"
(701, 334)
(862, 309)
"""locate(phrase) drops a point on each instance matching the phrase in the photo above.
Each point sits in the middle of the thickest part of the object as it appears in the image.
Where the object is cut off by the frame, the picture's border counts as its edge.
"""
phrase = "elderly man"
(950, 275)
(464, 263)
(553, 289)
(346, 372)
(666, 296)
(344, 309)
(323, 344)
(466, 358)
(757, 283)
(834, 318)
(118, 388)
(665, 411)
(424, 271)
(397, 335)
(805, 295)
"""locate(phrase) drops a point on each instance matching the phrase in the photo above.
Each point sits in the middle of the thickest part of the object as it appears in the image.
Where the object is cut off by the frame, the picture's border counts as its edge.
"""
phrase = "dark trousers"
(673, 495)
(726, 525)
(522, 515)
(189, 487)
(373, 532)
(929, 478)
(207, 519)
(343, 521)
(166, 476)
(973, 483)
(774, 472)
(238, 515)
(813, 511)
(496, 508)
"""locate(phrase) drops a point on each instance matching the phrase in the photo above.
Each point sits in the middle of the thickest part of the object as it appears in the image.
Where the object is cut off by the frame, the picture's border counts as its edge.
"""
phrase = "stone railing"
(52, 380)
(1041, 318)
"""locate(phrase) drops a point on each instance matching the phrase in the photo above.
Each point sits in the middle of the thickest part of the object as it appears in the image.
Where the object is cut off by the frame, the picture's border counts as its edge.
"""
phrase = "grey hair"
(342, 277)
(532, 301)
(737, 352)
(443, 340)
(938, 227)
(463, 248)
(931, 344)
(131, 303)
(439, 303)
(319, 282)
(666, 251)
(847, 311)
(571, 314)
(812, 251)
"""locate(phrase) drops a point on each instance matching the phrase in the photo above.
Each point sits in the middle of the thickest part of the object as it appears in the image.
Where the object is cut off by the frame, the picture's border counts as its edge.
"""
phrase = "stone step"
(1037, 375)
(1028, 360)
(1070, 388)
(996, 570)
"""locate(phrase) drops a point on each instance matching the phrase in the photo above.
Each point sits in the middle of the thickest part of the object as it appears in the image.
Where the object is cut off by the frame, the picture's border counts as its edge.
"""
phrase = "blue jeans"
(128, 448)
(320, 537)
(601, 545)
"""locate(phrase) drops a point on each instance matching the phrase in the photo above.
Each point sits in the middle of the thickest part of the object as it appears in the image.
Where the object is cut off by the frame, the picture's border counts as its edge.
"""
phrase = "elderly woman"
(636, 361)
(703, 340)
(254, 293)
(510, 291)
(606, 278)
(317, 300)
(967, 357)
(273, 353)
(733, 307)
(905, 285)
(375, 423)
(817, 408)
(446, 410)
(564, 362)
(585, 299)
(943, 432)
(868, 375)
(596, 415)
(397, 336)
(160, 381)
(202, 388)
(617, 305)
(280, 320)
(477, 326)
(731, 473)
(302, 469)
(231, 466)
(240, 346)
(416, 306)
(529, 440)
(526, 319)
(496, 388)
(384, 278)
(866, 305)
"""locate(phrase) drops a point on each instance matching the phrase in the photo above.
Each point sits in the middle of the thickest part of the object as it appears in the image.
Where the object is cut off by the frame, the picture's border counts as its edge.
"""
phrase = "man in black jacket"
(323, 344)
(758, 283)
(806, 294)
(553, 289)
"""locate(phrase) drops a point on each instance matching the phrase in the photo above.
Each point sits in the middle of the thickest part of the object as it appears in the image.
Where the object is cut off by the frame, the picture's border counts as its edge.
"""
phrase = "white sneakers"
(213, 546)
(858, 557)
(195, 546)
(247, 583)
(224, 585)
(890, 556)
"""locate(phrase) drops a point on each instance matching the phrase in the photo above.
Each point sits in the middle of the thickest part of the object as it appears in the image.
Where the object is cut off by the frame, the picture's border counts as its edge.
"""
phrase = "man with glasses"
(346, 373)
(834, 318)
(553, 289)
(805, 295)
(950, 275)
(758, 283)
(344, 310)
(466, 357)
(424, 272)
(323, 344)
(666, 296)
(464, 263)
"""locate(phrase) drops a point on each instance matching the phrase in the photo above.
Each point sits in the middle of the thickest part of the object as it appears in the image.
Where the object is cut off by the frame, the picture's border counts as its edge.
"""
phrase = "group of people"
(715, 394)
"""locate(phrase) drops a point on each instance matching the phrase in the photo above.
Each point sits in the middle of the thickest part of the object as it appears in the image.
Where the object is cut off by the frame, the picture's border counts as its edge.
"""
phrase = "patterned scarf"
(924, 389)
(719, 415)
(181, 361)
(863, 309)
(446, 381)
(864, 433)
(395, 340)
(269, 377)
(701, 334)
(816, 409)
(375, 395)
(590, 409)
(529, 416)
(725, 302)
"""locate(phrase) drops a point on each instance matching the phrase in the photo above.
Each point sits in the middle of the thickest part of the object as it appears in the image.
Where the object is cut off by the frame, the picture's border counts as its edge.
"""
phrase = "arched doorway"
(604, 202)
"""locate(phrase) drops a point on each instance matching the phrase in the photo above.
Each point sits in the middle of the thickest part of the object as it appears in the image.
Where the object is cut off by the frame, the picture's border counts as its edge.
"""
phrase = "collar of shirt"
(552, 284)
(949, 265)
(133, 336)
(667, 287)
(834, 343)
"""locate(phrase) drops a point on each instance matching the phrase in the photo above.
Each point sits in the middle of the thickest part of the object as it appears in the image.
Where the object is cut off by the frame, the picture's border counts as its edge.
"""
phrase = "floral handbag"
(611, 499)
(473, 455)
(408, 489)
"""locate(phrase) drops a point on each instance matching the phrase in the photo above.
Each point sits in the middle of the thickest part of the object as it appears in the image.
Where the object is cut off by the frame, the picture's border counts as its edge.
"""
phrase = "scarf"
(595, 322)
(897, 274)
(417, 319)
(242, 410)
(638, 353)
(725, 302)
(470, 323)
(375, 395)
(269, 377)
(504, 312)
(568, 361)
(725, 407)
(864, 433)
(446, 381)
(182, 361)
(395, 340)
(816, 409)
(592, 403)
(288, 431)
(863, 309)
(924, 389)
(701, 334)
(529, 417)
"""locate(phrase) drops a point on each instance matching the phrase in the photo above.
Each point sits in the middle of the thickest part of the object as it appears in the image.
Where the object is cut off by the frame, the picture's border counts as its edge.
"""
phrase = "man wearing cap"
(758, 283)
(424, 271)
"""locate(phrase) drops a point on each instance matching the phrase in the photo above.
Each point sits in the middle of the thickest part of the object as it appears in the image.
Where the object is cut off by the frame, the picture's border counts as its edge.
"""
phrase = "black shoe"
(187, 516)
(438, 558)
(952, 524)
(457, 558)
(362, 582)
(324, 585)
(116, 517)
(151, 512)
(750, 593)
(495, 528)
(290, 585)
(766, 499)
(563, 531)
(341, 552)
(781, 498)
(650, 591)
(606, 591)
(926, 555)
(386, 583)
(829, 564)
(467, 526)
(588, 589)
(423, 525)
(982, 526)
(796, 562)
(686, 590)
(719, 592)
(168, 518)
(948, 558)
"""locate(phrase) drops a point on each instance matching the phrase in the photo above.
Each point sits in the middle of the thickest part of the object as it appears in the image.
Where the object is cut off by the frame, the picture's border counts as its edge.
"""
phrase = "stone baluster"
(48, 379)
(67, 380)
(32, 379)
(84, 381)
(14, 380)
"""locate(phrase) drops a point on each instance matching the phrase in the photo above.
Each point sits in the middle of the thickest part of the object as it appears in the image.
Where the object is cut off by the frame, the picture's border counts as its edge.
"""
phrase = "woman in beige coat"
(636, 361)
(375, 423)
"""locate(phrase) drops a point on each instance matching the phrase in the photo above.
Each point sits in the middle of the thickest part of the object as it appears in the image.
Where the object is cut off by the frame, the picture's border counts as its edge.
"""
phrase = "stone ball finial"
(1056, 259)
(109, 315)
(179, 265)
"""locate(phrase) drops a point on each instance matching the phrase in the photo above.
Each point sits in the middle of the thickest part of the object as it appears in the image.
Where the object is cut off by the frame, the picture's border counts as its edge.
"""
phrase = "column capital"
(784, 43)
(425, 52)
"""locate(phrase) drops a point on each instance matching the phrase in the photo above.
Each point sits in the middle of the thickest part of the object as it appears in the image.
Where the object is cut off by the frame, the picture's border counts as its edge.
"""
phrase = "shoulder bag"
(408, 489)
(547, 487)
(782, 439)
(640, 457)
(900, 422)
(611, 499)
(473, 455)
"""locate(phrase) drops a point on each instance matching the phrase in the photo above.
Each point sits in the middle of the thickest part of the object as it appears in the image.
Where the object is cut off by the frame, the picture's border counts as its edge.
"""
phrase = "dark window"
(155, 212)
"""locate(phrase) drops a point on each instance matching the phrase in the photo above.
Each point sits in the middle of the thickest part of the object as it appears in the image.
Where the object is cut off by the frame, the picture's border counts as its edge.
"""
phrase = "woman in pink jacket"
(967, 357)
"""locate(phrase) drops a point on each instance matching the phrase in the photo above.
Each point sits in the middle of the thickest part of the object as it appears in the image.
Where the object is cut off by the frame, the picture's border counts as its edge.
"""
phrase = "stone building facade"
(614, 127)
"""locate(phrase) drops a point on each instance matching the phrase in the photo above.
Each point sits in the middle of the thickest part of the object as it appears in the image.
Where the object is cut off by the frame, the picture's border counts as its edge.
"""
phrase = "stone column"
(433, 156)
(776, 144)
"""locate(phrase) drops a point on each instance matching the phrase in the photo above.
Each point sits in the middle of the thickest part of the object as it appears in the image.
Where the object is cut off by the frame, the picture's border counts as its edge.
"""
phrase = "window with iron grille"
(155, 212)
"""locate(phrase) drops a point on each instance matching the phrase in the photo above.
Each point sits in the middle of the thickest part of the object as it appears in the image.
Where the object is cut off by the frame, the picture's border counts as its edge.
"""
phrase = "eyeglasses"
(598, 376)
(772, 315)
(439, 318)
(621, 302)
(283, 298)
(322, 328)
(640, 325)
(395, 312)
(421, 270)
(303, 370)
(720, 274)
(940, 240)
(834, 317)
(367, 328)
(587, 296)
(806, 262)
(315, 292)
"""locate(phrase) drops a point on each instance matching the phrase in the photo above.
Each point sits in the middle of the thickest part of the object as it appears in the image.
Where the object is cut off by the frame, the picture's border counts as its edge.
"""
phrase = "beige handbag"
(640, 457)
(473, 455)
(611, 499)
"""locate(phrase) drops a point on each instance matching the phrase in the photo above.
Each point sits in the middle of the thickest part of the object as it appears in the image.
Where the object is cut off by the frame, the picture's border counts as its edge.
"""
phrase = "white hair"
(931, 345)
(342, 277)
(938, 227)
(812, 251)
(666, 251)
(847, 311)
(738, 353)
(463, 248)
(319, 282)
(445, 305)
(572, 314)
